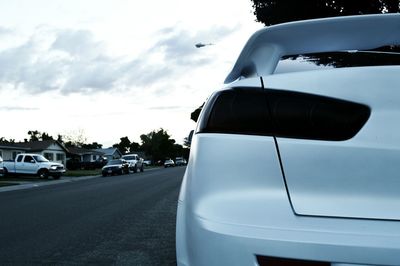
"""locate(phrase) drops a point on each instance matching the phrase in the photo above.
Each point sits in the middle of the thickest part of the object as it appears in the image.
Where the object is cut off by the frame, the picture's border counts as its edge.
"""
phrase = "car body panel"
(353, 178)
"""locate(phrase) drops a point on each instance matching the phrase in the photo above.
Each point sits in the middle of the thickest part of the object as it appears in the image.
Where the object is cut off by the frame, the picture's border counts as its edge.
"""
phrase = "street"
(118, 220)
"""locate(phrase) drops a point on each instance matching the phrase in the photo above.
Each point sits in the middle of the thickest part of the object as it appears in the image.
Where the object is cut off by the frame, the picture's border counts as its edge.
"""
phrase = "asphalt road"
(119, 220)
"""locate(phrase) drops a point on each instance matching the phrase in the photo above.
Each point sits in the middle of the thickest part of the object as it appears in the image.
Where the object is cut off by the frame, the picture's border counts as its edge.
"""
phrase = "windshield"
(40, 159)
(112, 162)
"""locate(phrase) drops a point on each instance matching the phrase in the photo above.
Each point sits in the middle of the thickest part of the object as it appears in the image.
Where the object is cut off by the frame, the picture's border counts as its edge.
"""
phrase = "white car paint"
(303, 199)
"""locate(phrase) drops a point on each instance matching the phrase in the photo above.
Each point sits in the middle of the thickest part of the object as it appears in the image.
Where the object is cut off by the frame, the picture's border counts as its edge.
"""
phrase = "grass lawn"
(82, 172)
(6, 184)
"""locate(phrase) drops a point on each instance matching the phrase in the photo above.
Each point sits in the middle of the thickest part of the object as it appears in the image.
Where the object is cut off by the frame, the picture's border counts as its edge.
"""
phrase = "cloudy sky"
(114, 68)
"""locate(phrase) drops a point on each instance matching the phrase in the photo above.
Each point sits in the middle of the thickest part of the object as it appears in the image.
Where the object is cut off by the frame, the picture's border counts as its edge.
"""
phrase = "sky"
(113, 68)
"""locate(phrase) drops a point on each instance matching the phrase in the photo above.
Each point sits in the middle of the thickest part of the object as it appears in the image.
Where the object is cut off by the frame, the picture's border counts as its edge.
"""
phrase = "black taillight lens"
(280, 113)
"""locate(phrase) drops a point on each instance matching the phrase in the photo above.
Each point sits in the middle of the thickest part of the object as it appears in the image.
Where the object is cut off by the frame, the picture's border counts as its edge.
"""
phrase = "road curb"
(64, 179)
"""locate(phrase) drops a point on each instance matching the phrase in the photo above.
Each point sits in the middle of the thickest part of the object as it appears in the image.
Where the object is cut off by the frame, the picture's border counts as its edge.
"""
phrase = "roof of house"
(34, 145)
(10, 146)
(109, 151)
(83, 151)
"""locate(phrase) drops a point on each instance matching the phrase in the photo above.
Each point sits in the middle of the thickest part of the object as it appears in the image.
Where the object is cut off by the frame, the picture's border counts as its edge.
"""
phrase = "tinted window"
(28, 159)
(114, 162)
(316, 61)
(40, 158)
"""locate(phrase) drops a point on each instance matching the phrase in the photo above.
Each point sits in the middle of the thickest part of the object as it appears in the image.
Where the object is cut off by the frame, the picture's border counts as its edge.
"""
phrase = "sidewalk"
(24, 184)
(34, 183)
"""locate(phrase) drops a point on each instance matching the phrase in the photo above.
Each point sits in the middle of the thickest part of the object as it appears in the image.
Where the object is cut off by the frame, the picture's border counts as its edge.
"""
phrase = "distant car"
(169, 163)
(115, 167)
(180, 161)
(1, 167)
(134, 161)
(147, 162)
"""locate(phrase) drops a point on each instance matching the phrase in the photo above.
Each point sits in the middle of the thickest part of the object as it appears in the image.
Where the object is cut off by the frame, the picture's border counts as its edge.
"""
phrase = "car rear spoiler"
(265, 48)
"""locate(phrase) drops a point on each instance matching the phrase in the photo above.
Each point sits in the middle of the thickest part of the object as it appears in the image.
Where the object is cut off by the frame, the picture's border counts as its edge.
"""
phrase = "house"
(50, 149)
(110, 153)
(81, 158)
(84, 155)
(9, 151)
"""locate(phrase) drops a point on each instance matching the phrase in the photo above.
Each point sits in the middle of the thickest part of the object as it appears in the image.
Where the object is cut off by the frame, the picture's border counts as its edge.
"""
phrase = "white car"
(169, 163)
(32, 164)
(323, 186)
(135, 162)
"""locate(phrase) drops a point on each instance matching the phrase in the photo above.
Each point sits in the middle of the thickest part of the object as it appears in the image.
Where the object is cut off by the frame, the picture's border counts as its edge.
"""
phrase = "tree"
(3, 140)
(271, 12)
(123, 145)
(158, 145)
(46, 136)
(74, 138)
(126, 146)
(92, 146)
(36, 135)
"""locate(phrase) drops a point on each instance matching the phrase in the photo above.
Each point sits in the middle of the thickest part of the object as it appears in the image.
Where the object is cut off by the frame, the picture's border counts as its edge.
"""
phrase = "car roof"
(265, 47)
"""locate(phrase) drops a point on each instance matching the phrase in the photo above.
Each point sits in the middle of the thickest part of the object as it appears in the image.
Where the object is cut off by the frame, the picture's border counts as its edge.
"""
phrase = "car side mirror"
(32, 161)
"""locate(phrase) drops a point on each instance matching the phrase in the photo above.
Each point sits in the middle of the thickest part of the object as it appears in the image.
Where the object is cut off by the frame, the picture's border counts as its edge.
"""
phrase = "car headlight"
(53, 167)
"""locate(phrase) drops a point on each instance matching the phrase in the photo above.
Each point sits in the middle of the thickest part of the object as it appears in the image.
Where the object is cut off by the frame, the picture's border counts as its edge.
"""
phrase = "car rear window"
(381, 57)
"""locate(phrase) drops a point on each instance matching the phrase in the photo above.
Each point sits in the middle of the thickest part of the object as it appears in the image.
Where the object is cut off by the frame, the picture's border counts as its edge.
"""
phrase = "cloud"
(73, 61)
(18, 108)
(5, 31)
(166, 107)
(78, 43)
(178, 45)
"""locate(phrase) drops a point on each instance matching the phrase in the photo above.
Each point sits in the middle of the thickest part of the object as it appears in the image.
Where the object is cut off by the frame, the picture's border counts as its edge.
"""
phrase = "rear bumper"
(202, 241)
(112, 171)
(229, 214)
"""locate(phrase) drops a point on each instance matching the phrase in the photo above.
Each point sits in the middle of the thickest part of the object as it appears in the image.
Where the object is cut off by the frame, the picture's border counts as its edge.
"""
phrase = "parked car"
(147, 162)
(115, 167)
(1, 167)
(135, 162)
(324, 144)
(32, 164)
(180, 161)
(169, 163)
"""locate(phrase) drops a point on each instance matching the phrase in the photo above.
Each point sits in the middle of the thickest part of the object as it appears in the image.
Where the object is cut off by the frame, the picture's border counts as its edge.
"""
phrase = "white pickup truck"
(135, 162)
(32, 164)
